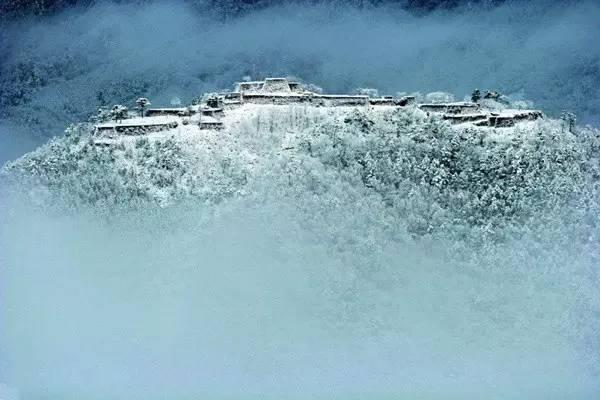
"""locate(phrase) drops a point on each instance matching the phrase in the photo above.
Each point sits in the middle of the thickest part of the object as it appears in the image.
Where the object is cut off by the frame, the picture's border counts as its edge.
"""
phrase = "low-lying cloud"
(81, 58)
(249, 303)
(254, 297)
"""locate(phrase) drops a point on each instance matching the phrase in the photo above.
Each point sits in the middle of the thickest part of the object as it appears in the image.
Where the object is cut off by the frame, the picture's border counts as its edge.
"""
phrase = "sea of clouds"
(305, 294)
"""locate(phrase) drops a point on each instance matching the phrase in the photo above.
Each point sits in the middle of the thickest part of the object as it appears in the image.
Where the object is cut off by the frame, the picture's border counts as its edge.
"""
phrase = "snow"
(274, 94)
(209, 120)
(167, 109)
(238, 116)
(139, 121)
(509, 113)
(250, 115)
(450, 104)
(254, 134)
(342, 96)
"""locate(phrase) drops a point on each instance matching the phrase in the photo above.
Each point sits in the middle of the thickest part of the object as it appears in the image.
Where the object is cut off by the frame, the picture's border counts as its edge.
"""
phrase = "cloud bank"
(253, 298)
(59, 69)
(250, 302)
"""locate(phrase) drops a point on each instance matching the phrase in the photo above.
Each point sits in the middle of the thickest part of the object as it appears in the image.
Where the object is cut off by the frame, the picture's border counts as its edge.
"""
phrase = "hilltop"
(421, 166)
(368, 222)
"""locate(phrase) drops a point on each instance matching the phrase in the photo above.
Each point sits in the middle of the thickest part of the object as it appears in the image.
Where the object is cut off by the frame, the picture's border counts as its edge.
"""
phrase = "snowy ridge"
(419, 164)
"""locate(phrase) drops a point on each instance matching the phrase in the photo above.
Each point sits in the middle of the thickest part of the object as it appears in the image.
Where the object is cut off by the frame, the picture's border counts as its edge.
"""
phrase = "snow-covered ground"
(139, 121)
(291, 120)
(211, 163)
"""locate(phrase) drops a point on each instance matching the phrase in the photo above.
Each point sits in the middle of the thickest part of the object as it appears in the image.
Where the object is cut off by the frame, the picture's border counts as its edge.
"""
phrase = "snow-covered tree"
(569, 119)
(433, 178)
(213, 101)
(103, 115)
(371, 92)
(439, 97)
(119, 112)
(142, 103)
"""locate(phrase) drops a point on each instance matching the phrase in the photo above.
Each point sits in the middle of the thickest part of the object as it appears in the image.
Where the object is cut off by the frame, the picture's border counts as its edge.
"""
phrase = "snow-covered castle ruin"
(209, 113)
(280, 91)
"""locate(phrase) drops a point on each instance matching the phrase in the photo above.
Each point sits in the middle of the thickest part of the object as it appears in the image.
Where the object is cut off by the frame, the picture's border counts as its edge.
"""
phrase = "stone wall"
(450, 108)
(140, 129)
(276, 85)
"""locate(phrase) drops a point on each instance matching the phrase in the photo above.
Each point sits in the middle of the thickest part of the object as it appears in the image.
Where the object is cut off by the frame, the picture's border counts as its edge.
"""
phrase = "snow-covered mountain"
(434, 174)
(277, 242)
(377, 242)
